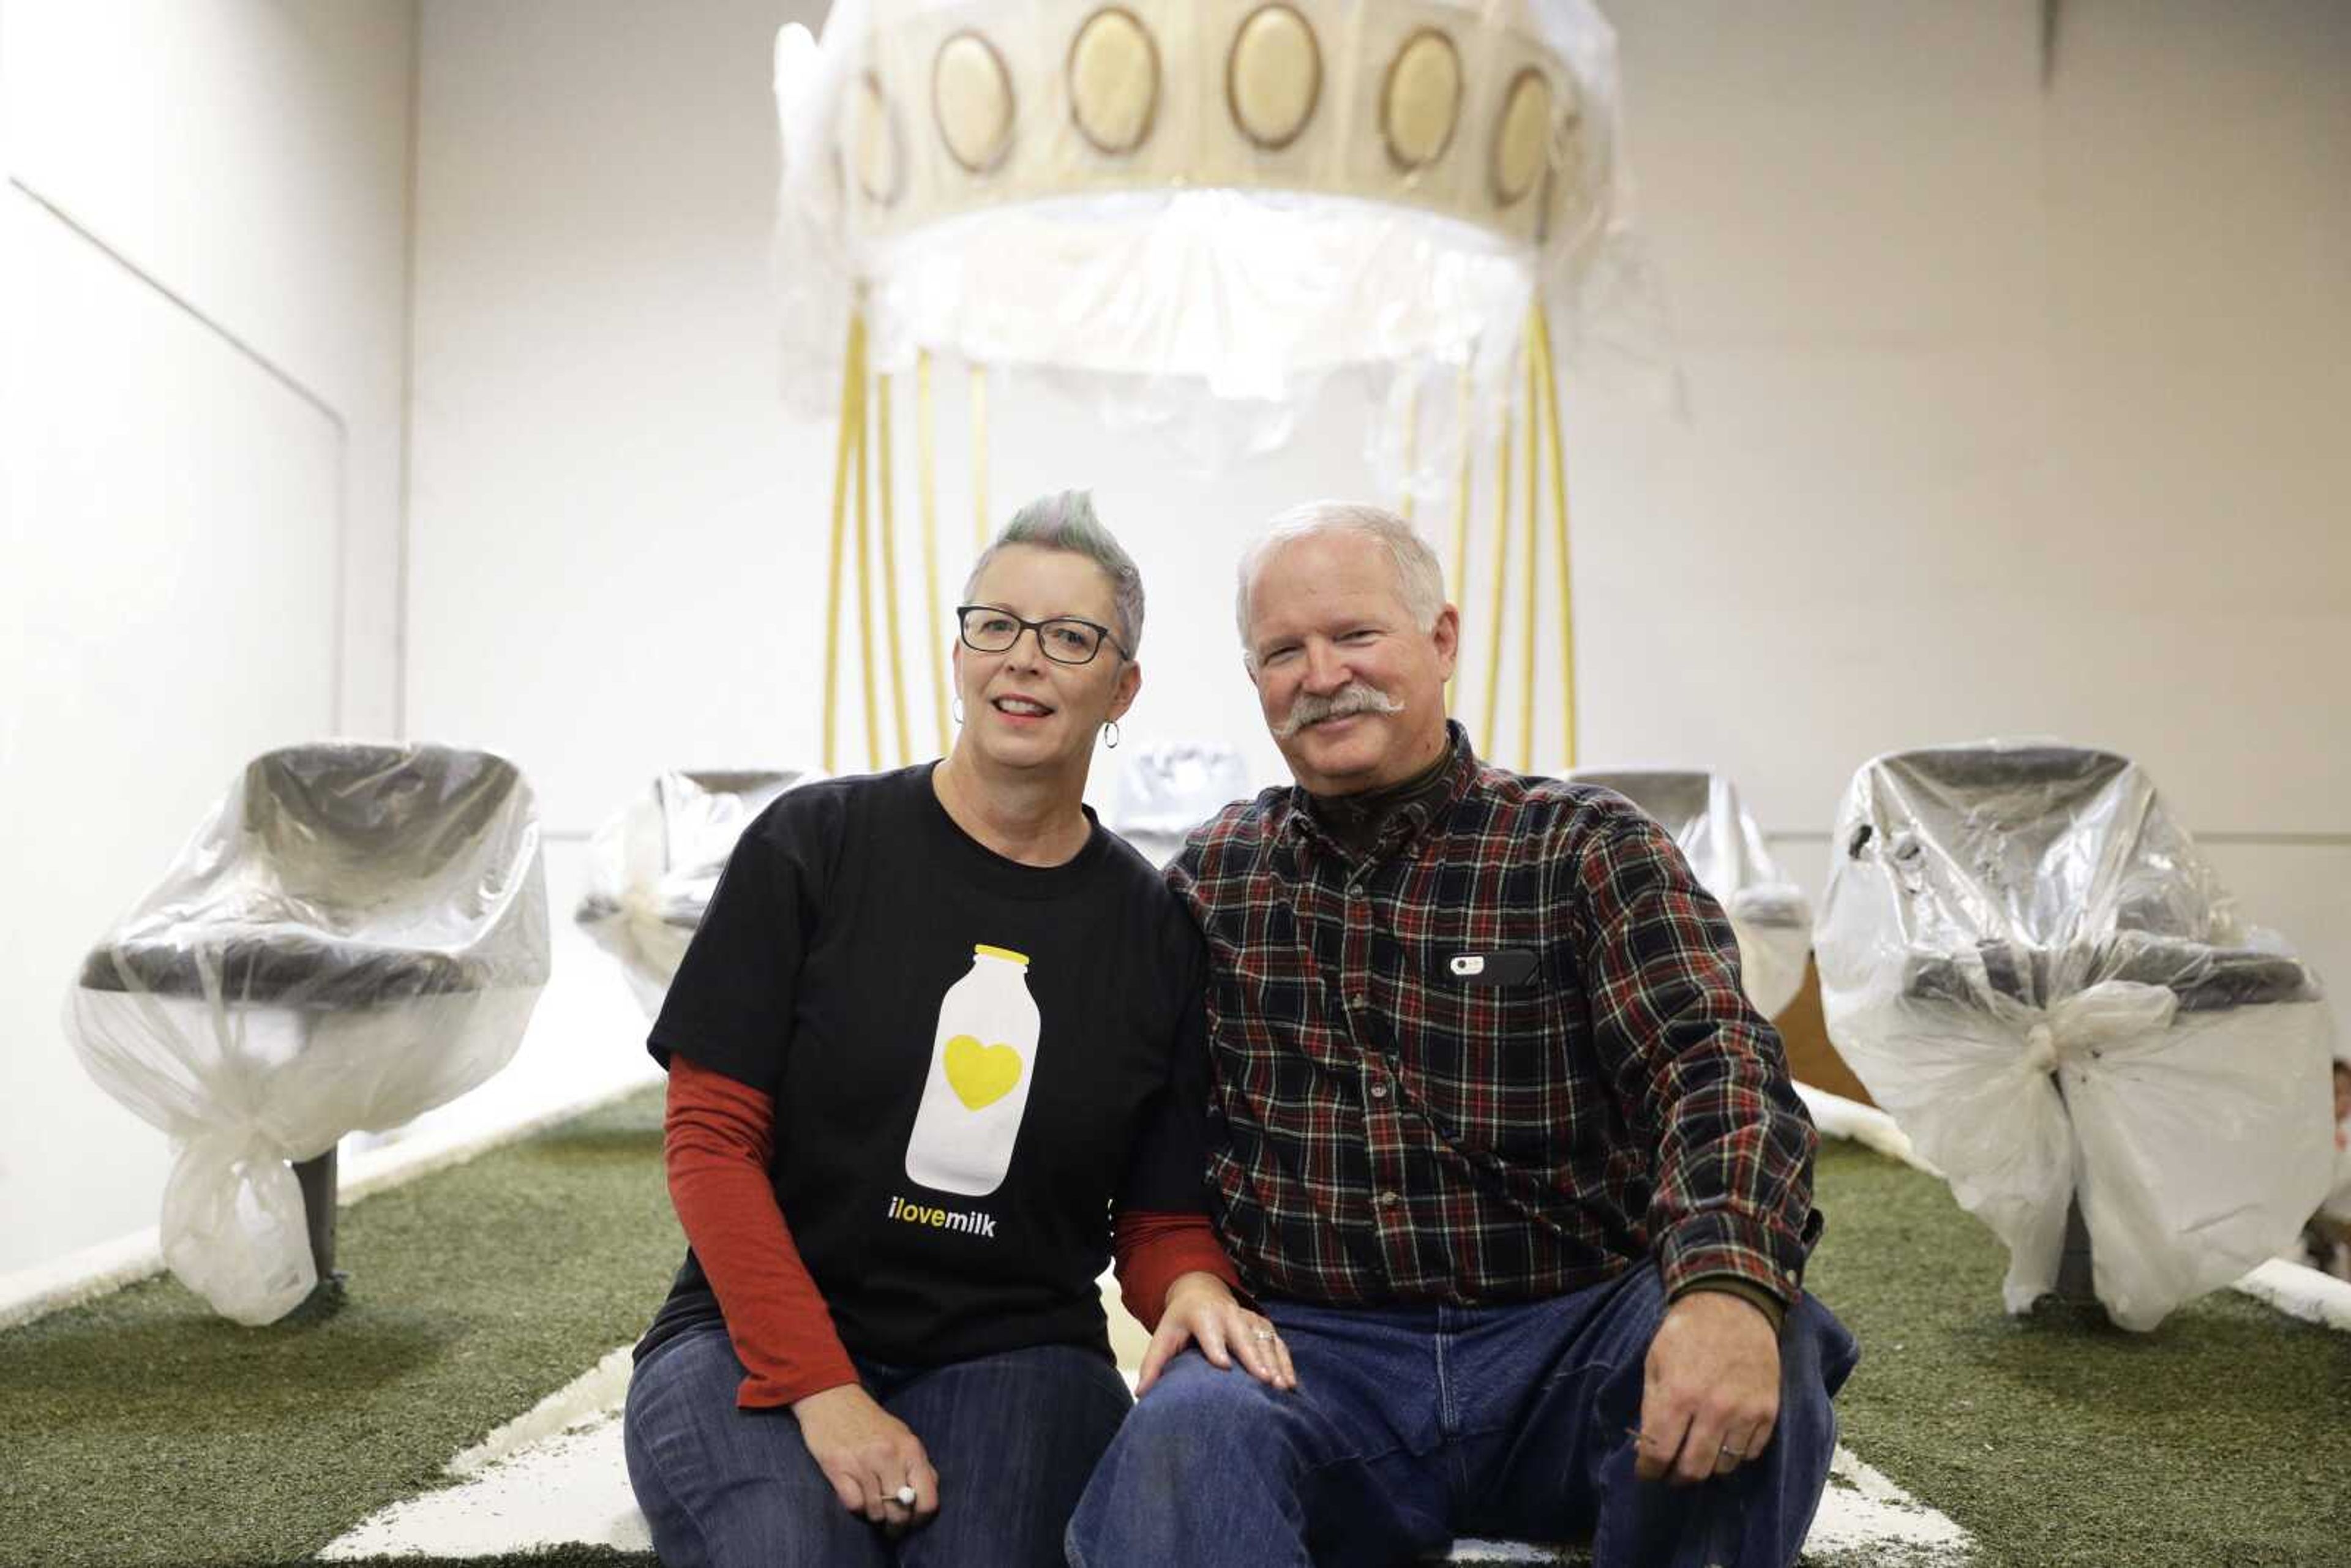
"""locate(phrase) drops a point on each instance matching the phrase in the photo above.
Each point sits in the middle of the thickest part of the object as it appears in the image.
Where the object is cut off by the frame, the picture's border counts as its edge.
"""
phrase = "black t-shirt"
(972, 1060)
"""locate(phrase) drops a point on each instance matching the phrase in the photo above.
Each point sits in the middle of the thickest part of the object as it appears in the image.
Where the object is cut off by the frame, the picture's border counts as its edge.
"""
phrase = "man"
(1496, 1141)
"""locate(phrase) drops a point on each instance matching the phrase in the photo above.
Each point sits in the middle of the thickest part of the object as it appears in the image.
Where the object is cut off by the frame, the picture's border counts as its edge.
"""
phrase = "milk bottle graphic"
(977, 1089)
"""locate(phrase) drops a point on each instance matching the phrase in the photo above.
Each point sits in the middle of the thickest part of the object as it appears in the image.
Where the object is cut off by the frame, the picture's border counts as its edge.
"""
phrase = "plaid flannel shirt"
(1386, 1127)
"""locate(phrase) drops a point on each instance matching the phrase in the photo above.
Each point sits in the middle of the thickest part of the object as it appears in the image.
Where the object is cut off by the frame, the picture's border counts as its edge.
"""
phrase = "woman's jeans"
(1412, 1425)
(1013, 1437)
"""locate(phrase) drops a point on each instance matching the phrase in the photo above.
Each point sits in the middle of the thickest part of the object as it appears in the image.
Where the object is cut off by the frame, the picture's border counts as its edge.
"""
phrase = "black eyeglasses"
(1064, 639)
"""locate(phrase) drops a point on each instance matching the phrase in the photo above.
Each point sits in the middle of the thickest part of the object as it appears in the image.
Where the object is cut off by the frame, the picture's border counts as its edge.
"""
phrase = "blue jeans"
(1413, 1423)
(1013, 1437)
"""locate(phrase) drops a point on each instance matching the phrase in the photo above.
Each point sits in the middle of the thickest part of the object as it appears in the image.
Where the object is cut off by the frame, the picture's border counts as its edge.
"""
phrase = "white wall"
(2014, 412)
(604, 500)
(203, 282)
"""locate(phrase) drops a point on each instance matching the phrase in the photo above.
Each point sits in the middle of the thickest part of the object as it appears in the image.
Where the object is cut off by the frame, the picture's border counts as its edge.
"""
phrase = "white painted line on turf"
(1864, 1512)
(2299, 1290)
(1838, 1117)
(557, 1476)
(2294, 1288)
(591, 1398)
(570, 1487)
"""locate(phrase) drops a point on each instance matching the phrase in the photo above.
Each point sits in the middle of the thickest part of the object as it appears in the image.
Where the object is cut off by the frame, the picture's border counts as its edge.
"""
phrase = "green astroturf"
(140, 1429)
(2223, 1438)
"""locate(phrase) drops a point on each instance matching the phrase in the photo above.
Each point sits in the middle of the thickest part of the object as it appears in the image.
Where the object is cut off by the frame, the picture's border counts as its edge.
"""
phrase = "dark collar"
(1378, 820)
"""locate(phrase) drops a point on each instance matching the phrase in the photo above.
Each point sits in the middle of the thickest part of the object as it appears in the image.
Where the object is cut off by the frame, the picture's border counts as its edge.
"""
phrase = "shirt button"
(1387, 1200)
(1358, 1000)
(1379, 1090)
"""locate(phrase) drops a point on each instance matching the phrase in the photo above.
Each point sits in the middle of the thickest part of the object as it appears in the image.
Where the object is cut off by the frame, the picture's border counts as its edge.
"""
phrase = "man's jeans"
(1413, 1423)
(1013, 1437)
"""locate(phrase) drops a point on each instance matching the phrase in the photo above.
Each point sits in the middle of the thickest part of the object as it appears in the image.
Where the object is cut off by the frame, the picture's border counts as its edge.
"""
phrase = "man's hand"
(1201, 1309)
(867, 1454)
(1711, 1393)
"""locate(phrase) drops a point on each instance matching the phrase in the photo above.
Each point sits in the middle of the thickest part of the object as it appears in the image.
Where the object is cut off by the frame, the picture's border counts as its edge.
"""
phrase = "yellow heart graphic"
(981, 1074)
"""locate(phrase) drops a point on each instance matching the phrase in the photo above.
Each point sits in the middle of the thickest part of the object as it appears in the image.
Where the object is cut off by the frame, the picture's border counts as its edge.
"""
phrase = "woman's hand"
(1200, 1310)
(868, 1455)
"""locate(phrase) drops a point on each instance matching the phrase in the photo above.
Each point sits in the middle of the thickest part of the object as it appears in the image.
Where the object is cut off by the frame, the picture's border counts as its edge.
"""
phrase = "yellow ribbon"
(1559, 530)
(852, 415)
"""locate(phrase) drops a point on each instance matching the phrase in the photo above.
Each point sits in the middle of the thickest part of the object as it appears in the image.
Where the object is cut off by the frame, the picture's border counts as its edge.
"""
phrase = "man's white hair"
(1420, 580)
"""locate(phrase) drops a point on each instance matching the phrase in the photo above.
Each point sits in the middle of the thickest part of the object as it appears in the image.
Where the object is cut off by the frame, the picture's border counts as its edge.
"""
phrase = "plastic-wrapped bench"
(1166, 790)
(654, 864)
(356, 935)
(1769, 914)
(2034, 970)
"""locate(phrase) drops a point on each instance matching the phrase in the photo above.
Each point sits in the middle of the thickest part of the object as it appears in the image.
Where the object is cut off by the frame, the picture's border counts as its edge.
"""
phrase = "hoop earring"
(954, 706)
(1109, 735)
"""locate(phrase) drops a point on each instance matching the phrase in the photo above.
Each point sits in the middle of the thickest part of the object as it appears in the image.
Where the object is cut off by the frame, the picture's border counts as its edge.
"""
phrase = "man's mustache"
(1354, 698)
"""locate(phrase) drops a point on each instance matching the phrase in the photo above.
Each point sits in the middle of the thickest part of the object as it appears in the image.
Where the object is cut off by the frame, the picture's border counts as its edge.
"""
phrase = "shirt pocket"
(1485, 1061)
(1488, 968)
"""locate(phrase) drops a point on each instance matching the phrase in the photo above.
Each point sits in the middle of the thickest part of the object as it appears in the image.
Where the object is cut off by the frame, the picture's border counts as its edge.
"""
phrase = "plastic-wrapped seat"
(1769, 914)
(1165, 790)
(2033, 970)
(356, 935)
(653, 866)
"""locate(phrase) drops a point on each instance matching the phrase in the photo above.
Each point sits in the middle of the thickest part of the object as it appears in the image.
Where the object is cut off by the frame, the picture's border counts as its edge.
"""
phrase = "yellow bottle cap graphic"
(982, 950)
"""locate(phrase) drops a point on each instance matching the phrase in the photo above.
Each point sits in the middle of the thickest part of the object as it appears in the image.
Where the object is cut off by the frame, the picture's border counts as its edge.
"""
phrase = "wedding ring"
(905, 1495)
(1264, 1335)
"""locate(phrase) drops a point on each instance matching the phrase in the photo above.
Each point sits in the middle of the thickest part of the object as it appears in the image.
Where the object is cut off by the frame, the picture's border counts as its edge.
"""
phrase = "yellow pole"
(889, 575)
(1501, 580)
(1560, 532)
(1411, 442)
(1534, 533)
(865, 598)
(1458, 589)
(852, 384)
(978, 457)
(928, 480)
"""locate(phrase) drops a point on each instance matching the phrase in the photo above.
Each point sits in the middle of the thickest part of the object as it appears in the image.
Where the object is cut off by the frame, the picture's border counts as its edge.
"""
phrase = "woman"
(938, 1040)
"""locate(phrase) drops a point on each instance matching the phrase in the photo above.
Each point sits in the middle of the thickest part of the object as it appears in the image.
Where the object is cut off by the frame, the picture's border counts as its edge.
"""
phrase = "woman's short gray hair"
(1419, 579)
(1066, 520)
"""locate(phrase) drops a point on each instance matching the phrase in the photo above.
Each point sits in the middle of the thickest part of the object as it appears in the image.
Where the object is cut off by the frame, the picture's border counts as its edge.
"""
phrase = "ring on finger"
(905, 1495)
(1264, 1337)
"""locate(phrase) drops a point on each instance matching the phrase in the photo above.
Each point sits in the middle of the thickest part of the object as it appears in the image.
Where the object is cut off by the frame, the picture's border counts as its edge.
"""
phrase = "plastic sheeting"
(2032, 968)
(1769, 914)
(356, 935)
(652, 867)
(1166, 790)
(1151, 201)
